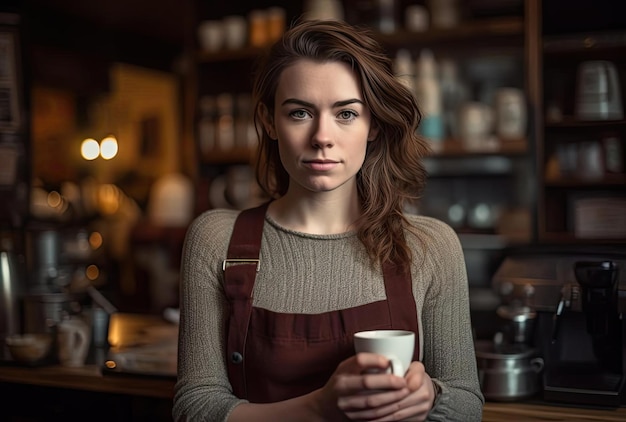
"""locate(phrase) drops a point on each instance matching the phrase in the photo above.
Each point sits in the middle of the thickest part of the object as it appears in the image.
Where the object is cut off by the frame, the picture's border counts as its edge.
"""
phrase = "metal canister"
(518, 323)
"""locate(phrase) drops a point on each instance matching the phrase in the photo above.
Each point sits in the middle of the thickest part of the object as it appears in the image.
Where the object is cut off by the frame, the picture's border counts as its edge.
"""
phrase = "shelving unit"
(500, 176)
(575, 160)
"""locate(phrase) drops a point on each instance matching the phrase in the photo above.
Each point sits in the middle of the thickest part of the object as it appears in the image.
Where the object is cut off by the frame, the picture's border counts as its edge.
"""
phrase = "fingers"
(384, 397)
(400, 405)
(373, 405)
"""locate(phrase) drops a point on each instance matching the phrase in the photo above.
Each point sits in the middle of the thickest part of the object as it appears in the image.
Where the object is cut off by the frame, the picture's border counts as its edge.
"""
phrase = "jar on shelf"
(206, 124)
(225, 122)
(245, 134)
(428, 95)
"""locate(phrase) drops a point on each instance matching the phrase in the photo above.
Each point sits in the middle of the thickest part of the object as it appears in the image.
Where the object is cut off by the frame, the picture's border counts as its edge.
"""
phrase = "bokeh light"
(90, 149)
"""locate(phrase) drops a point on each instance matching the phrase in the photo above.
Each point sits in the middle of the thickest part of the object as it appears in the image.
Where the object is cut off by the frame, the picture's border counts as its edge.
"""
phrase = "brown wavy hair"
(392, 172)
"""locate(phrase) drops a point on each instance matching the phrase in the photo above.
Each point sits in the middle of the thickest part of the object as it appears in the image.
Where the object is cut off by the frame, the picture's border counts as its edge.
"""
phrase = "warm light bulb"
(95, 240)
(92, 272)
(108, 147)
(90, 149)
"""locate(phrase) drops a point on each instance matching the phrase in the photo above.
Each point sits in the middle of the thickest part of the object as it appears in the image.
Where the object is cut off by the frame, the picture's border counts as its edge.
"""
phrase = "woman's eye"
(347, 115)
(299, 114)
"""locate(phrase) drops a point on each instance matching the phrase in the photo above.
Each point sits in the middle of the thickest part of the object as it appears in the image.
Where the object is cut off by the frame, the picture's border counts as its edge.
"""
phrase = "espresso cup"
(395, 345)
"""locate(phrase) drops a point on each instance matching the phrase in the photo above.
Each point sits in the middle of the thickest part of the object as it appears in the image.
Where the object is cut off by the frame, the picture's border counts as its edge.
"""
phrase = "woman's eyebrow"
(307, 104)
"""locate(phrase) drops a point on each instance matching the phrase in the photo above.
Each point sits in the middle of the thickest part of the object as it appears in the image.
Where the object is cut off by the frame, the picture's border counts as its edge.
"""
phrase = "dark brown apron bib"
(275, 356)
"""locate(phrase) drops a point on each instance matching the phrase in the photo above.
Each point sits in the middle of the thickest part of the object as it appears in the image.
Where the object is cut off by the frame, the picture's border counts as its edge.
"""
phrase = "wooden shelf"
(570, 122)
(608, 181)
(230, 156)
(563, 237)
(478, 29)
(587, 42)
(454, 148)
(242, 54)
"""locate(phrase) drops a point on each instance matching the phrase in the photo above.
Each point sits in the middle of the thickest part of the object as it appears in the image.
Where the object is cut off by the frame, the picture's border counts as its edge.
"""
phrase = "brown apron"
(275, 356)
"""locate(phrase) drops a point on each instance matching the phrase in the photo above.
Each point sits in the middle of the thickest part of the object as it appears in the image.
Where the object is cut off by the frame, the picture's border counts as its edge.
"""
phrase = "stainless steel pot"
(507, 372)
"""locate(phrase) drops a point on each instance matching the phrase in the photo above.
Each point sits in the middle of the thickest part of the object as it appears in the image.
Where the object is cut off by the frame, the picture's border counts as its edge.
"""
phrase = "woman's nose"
(322, 133)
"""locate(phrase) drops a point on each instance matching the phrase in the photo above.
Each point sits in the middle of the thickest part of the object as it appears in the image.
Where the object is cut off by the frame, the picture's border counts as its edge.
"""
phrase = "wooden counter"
(50, 393)
(90, 378)
(533, 412)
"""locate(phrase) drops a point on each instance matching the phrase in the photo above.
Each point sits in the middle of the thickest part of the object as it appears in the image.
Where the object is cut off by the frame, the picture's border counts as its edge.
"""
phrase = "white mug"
(395, 345)
(73, 337)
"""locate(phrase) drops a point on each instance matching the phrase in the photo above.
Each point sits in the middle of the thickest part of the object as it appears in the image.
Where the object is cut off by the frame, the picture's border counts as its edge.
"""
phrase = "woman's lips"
(321, 165)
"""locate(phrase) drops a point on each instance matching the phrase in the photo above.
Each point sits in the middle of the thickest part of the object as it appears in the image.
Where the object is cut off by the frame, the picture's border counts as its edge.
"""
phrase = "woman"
(271, 297)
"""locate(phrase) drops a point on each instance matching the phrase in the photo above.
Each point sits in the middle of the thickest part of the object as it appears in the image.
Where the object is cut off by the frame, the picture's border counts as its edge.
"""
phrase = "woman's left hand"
(415, 406)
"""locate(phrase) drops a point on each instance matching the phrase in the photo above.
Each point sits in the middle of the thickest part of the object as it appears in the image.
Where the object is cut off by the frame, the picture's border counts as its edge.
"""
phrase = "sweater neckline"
(273, 223)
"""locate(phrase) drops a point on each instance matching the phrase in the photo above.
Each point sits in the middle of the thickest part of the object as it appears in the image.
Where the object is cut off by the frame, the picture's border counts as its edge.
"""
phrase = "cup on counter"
(395, 345)
(73, 339)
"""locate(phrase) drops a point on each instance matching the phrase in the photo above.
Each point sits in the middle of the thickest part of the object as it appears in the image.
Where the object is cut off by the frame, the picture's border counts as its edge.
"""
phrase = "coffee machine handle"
(570, 295)
(556, 319)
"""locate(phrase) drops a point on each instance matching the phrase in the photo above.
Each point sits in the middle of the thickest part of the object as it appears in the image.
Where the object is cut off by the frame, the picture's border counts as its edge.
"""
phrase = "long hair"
(392, 172)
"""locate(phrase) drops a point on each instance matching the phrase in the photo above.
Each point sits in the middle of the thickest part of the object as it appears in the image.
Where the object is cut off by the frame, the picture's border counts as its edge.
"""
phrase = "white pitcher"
(73, 337)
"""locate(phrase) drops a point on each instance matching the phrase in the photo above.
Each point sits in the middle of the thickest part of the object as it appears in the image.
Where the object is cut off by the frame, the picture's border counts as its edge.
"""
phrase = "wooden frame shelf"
(608, 181)
(454, 148)
(566, 237)
(478, 29)
(573, 123)
(230, 156)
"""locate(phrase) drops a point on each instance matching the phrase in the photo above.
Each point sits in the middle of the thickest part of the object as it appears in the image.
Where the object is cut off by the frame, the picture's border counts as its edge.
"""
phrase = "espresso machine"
(580, 330)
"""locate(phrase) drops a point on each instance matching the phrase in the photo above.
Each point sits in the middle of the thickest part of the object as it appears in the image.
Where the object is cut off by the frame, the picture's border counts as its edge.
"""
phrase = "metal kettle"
(598, 94)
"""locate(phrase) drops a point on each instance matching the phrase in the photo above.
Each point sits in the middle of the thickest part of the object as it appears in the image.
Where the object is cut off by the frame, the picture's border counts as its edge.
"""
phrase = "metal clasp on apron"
(241, 261)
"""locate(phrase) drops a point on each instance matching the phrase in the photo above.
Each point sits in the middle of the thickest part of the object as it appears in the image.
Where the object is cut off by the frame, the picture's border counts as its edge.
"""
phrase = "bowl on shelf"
(29, 349)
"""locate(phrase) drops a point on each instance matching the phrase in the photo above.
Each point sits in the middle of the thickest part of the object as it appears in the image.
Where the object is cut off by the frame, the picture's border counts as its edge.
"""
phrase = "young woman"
(271, 297)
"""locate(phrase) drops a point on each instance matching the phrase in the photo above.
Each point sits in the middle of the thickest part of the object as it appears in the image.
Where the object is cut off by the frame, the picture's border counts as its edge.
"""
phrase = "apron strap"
(240, 270)
(402, 310)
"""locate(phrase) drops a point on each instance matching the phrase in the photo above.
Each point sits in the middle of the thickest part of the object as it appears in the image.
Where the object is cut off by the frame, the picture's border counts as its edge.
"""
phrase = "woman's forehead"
(317, 79)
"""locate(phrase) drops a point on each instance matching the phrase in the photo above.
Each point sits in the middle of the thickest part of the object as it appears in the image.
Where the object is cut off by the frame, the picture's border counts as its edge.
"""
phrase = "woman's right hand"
(360, 384)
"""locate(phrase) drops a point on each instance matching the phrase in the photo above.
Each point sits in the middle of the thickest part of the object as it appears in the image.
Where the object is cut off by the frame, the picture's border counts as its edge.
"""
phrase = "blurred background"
(120, 121)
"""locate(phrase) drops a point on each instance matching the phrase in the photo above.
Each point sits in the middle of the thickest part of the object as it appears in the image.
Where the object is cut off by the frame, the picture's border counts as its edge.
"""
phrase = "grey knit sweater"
(305, 273)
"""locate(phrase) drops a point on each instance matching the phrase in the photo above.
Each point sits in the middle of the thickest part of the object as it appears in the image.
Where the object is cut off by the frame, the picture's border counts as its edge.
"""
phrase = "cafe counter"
(99, 392)
(132, 380)
(149, 398)
(49, 393)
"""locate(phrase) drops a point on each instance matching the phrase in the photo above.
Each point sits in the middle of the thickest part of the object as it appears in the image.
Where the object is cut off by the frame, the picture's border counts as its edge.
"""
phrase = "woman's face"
(321, 125)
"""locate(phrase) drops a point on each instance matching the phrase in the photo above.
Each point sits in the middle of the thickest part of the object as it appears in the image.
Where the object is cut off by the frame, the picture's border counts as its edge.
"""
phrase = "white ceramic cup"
(73, 339)
(395, 345)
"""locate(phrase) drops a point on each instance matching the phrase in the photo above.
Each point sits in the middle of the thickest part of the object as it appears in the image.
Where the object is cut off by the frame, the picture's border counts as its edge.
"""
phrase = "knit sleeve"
(203, 392)
(448, 354)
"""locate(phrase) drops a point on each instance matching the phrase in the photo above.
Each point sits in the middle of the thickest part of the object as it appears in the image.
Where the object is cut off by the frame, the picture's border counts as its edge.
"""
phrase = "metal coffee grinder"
(47, 298)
